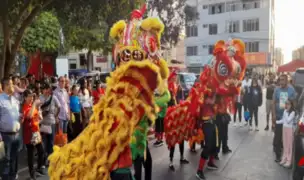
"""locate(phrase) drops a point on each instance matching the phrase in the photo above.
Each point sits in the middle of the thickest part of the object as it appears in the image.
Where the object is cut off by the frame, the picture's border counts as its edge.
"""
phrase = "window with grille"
(212, 29)
(217, 8)
(233, 26)
(191, 51)
(251, 25)
(191, 31)
(252, 46)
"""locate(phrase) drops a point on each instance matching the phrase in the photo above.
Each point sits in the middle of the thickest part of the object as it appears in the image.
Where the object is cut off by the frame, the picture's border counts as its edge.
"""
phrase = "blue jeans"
(48, 141)
(11, 146)
(63, 124)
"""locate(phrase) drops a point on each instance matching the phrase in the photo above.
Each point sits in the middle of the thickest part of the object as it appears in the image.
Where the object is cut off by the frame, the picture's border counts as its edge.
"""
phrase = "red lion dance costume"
(219, 83)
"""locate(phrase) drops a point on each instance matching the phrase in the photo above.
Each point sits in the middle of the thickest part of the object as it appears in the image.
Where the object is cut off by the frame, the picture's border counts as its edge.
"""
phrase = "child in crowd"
(75, 107)
(287, 121)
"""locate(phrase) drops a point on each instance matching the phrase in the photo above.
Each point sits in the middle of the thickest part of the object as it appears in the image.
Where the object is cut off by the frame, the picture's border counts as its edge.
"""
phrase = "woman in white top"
(86, 102)
(287, 121)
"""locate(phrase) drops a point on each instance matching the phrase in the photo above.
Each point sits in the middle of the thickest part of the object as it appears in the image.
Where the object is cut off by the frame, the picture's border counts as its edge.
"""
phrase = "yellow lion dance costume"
(103, 146)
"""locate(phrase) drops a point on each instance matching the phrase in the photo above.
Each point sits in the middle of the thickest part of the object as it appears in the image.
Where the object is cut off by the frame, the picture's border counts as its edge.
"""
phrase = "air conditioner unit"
(205, 6)
(205, 46)
(205, 25)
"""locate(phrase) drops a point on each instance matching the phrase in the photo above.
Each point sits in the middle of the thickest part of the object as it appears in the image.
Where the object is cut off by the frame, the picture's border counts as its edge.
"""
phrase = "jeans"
(254, 113)
(63, 124)
(11, 146)
(48, 141)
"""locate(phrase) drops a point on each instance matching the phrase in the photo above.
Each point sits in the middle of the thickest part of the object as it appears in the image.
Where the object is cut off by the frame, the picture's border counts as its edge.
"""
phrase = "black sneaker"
(216, 157)
(171, 167)
(184, 161)
(41, 172)
(212, 166)
(226, 150)
(266, 128)
(277, 160)
(158, 143)
(193, 150)
(200, 175)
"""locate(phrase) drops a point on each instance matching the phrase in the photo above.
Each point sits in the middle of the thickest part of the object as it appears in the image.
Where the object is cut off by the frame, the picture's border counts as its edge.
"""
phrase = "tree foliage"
(86, 24)
(43, 34)
(15, 17)
(171, 12)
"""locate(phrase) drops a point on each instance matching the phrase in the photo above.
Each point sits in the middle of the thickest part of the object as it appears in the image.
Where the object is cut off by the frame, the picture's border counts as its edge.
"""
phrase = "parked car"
(186, 81)
(298, 146)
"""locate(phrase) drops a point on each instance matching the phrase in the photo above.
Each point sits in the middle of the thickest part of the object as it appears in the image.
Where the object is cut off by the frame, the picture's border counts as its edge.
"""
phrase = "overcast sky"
(289, 25)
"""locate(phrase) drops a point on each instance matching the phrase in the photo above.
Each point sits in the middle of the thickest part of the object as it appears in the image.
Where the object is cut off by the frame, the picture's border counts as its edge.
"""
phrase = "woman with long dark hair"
(86, 102)
(256, 99)
(31, 133)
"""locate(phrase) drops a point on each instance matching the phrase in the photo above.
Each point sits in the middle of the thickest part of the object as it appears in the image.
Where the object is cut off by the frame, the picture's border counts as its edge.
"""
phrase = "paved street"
(252, 159)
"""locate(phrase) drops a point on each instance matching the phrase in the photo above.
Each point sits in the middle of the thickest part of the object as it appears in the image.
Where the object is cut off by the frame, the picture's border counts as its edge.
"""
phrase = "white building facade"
(78, 60)
(249, 20)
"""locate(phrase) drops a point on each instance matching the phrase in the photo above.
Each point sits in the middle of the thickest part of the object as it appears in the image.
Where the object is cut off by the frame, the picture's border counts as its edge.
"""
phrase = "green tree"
(43, 34)
(172, 13)
(90, 28)
(15, 17)
(87, 17)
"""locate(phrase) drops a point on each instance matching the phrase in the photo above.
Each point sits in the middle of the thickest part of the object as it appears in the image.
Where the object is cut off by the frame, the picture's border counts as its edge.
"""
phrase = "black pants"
(139, 162)
(30, 156)
(194, 145)
(238, 110)
(210, 141)
(222, 121)
(76, 127)
(181, 150)
(159, 125)
(121, 176)
(277, 140)
(254, 114)
(246, 104)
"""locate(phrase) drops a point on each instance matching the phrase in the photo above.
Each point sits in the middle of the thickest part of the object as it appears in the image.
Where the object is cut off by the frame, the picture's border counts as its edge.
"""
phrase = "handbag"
(46, 129)
(61, 139)
(247, 115)
(36, 138)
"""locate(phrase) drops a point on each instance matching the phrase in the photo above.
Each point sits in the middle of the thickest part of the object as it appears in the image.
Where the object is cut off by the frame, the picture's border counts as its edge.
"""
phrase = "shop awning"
(291, 66)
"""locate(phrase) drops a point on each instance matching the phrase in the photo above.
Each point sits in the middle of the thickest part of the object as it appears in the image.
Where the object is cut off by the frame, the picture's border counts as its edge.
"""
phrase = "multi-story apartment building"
(298, 54)
(249, 20)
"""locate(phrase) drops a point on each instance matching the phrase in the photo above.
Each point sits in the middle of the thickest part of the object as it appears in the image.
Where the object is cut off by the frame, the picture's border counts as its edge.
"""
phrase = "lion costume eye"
(222, 69)
(125, 55)
(137, 55)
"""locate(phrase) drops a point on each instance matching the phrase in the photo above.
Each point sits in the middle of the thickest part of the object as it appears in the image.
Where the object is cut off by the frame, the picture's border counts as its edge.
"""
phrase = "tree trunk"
(9, 63)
